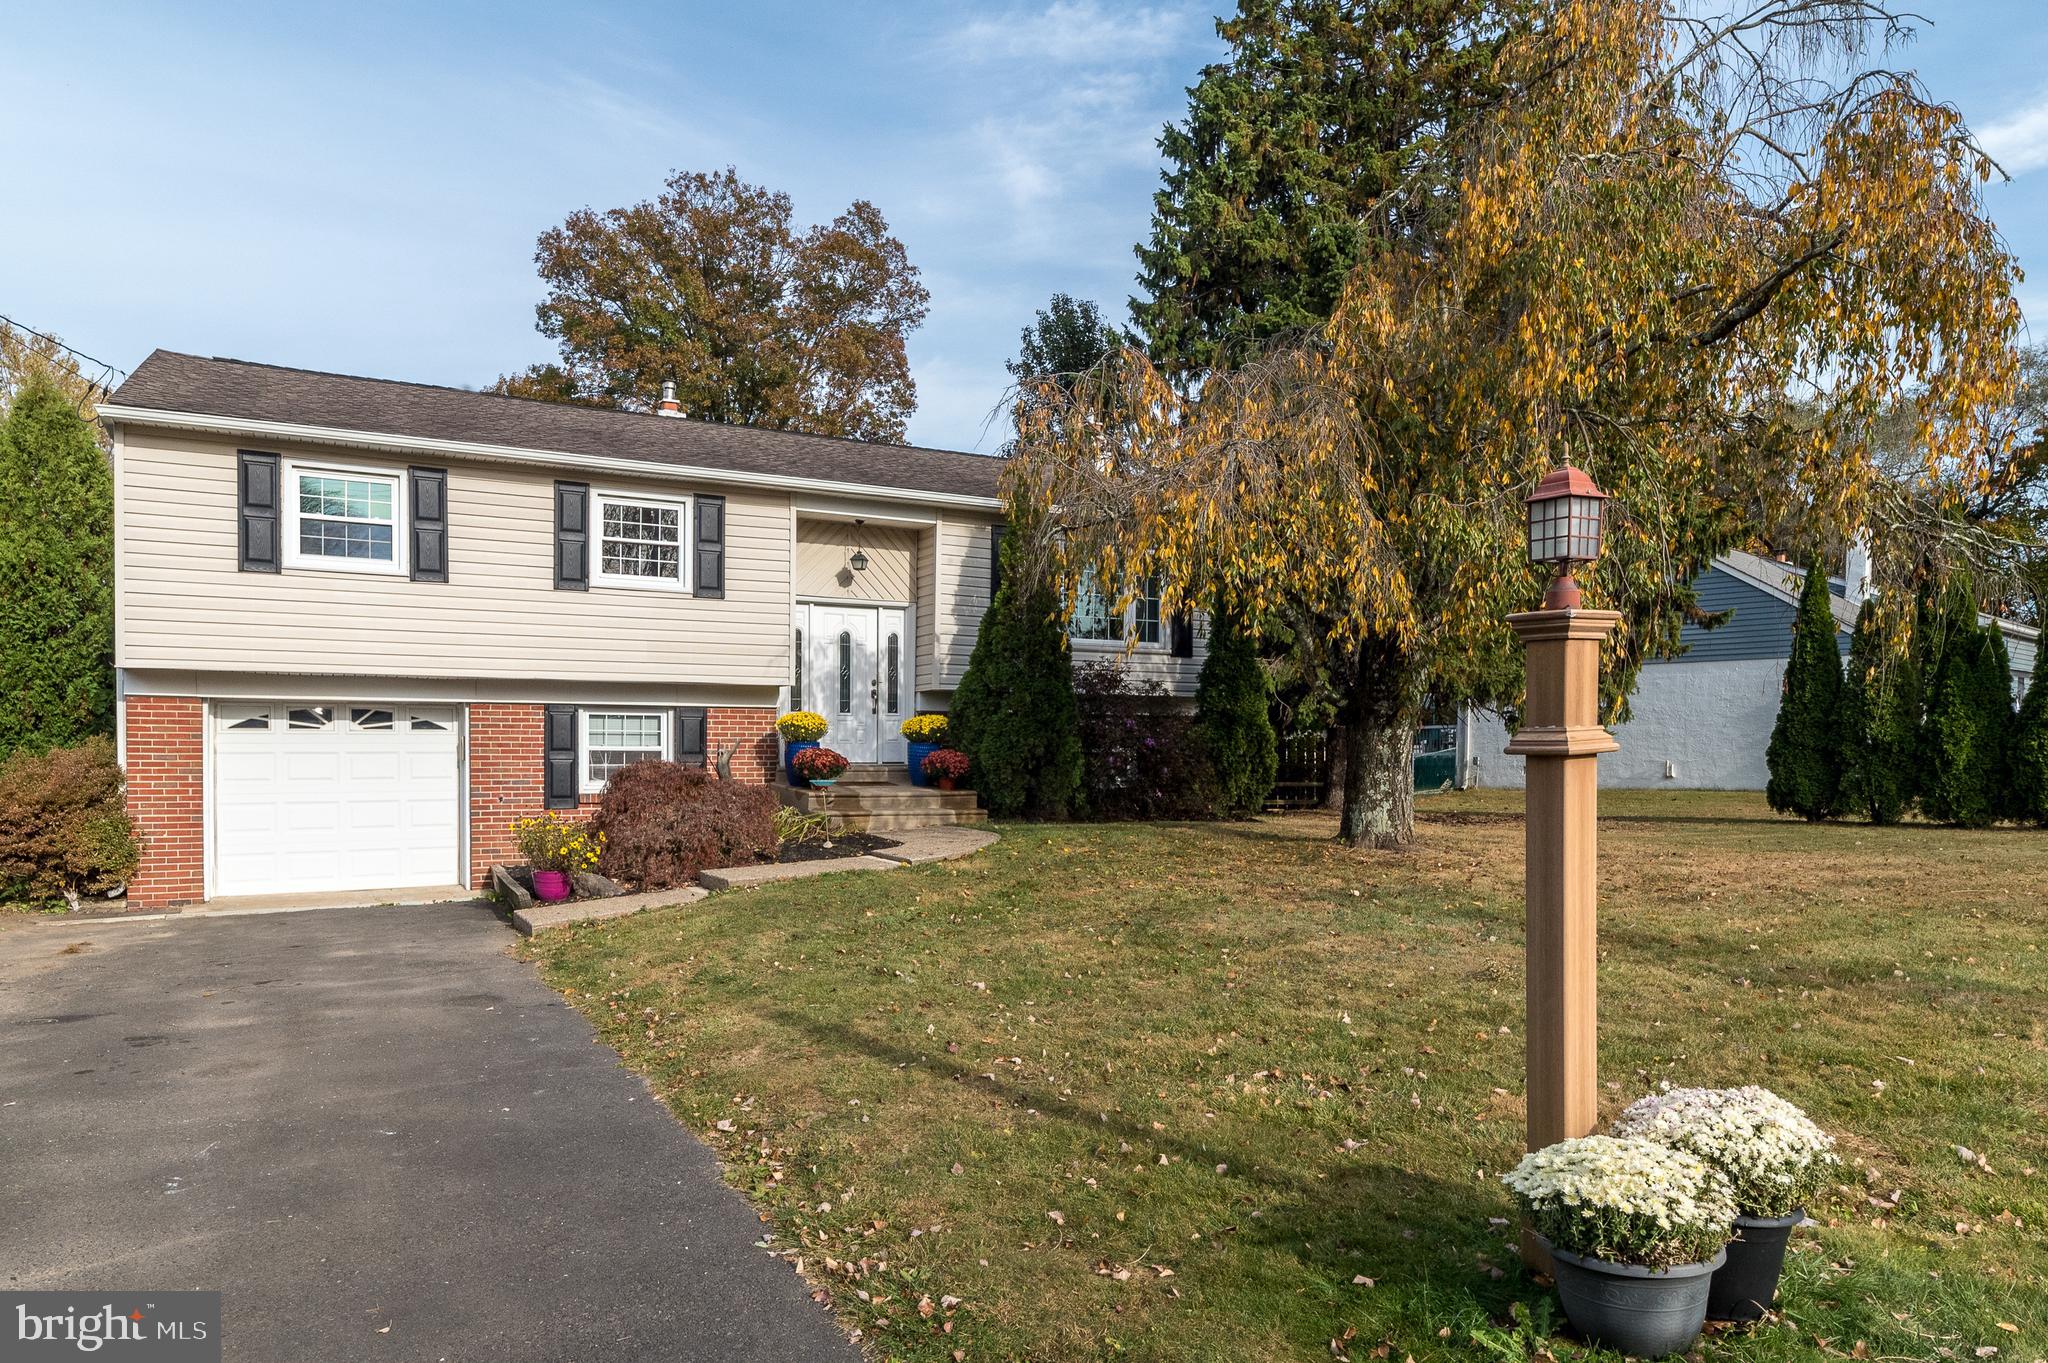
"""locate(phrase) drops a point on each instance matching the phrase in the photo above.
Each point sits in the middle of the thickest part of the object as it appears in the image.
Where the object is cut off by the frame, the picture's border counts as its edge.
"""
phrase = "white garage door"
(335, 797)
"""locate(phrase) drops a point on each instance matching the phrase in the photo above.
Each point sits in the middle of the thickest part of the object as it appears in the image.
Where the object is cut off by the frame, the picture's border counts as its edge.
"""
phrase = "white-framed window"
(344, 517)
(642, 540)
(611, 740)
(1096, 620)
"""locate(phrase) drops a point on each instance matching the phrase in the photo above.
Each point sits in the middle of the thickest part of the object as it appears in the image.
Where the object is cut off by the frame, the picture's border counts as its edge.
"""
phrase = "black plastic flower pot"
(1647, 1313)
(1745, 1286)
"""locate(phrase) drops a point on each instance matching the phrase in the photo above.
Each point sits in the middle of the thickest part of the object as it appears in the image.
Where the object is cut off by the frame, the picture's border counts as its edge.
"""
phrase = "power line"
(104, 368)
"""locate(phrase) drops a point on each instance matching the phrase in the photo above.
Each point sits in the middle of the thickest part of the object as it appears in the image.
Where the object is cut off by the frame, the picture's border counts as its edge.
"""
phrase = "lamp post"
(1561, 740)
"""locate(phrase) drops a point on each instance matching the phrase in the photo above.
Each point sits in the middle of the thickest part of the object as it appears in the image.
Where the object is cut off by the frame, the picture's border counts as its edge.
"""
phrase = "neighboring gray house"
(1703, 719)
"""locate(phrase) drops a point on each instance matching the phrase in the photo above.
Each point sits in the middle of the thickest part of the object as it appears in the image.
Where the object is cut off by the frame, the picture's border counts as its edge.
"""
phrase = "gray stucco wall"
(1709, 720)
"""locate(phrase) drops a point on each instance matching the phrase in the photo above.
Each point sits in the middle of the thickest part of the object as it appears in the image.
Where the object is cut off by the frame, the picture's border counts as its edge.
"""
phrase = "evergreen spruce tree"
(1014, 713)
(1318, 108)
(1880, 725)
(56, 575)
(1804, 750)
(1234, 719)
(1966, 722)
(2029, 753)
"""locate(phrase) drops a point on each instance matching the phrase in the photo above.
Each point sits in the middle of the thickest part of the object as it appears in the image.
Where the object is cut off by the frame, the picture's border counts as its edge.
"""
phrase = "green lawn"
(1230, 1092)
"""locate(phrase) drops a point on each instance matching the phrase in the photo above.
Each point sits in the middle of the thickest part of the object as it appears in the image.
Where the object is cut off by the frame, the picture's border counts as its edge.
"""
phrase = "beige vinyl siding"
(822, 548)
(927, 607)
(1177, 675)
(183, 604)
(961, 566)
(961, 591)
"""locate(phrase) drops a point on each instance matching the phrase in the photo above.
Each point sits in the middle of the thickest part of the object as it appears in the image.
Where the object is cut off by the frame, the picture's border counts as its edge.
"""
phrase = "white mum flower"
(1625, 1200)
(1772, 1153)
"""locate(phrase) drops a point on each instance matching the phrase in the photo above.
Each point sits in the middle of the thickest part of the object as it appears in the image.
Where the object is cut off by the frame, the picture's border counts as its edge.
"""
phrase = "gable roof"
(245, 398)
(1782, 580)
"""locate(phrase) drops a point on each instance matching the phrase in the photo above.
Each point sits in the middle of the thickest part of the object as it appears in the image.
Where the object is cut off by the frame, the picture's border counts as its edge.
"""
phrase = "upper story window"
(641, 540)
(1097, 620)
(345, 517)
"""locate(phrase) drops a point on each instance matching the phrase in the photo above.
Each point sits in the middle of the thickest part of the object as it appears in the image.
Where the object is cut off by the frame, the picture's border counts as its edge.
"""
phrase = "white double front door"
(856, 664)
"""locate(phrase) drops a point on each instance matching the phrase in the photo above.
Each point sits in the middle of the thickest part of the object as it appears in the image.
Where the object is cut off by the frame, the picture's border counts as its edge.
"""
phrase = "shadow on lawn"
(1425, 1241)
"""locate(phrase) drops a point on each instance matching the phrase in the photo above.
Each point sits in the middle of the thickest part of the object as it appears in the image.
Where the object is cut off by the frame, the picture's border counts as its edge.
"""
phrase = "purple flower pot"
(551, 887)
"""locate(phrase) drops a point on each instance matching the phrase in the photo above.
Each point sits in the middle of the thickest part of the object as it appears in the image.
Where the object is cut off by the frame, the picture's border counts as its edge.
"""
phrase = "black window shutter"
(710, 576)
(691, 748)
(559, 761)
(429, 525)
(1183, 622)
(995, 561)
(257, 540)
(572, 537)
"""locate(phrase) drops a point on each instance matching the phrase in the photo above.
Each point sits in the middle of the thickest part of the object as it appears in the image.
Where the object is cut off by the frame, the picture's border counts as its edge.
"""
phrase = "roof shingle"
(172, 382)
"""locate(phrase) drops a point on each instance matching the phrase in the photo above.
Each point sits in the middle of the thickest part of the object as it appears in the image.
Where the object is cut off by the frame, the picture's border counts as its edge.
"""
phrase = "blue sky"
(359, 187)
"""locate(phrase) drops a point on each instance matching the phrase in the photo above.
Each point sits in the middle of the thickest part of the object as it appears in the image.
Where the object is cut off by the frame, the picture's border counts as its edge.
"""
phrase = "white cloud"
(2019, 141)
(1076, 32)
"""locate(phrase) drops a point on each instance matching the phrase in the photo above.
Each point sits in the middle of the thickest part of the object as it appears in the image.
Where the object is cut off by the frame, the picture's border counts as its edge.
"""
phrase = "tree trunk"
(1378, 748)
(1333, 774)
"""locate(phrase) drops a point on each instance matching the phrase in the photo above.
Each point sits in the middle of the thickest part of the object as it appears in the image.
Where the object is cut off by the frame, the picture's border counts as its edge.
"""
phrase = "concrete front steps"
(877, 799)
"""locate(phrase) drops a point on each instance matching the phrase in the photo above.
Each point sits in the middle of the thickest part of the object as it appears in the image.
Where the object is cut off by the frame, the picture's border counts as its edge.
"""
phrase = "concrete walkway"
(378, 1134)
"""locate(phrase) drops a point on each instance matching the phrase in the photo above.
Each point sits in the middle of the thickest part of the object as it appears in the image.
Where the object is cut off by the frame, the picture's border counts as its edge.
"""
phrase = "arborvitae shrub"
(1013, 714)
(2029, 753)
(1880, 725)
(1964, 741)
(1805, 746)
(56, 575)
(1234, 720)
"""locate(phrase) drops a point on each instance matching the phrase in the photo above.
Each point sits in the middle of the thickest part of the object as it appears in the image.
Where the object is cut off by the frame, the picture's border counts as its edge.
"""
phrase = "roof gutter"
(514, 454)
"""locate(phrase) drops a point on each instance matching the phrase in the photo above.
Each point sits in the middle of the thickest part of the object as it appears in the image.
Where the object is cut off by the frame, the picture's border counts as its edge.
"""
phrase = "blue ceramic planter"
(789, 751)
(918, 753)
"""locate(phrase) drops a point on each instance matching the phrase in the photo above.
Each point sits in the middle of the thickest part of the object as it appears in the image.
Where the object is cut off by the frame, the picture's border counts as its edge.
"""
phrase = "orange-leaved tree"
(711, 285)
(1698, 256)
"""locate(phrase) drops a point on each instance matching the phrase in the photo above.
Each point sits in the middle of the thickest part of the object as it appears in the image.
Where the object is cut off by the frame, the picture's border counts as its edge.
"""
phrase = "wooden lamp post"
(1561, 740)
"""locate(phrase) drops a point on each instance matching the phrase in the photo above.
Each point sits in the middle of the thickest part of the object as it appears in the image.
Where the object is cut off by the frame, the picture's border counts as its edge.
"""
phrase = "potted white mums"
(1775, 1160)
(1635, 1229)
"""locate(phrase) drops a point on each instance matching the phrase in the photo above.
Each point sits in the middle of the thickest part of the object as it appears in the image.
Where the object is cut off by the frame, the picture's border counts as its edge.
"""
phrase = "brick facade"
(166, 738)
(167, 799)
(505, 746)
(751, 735)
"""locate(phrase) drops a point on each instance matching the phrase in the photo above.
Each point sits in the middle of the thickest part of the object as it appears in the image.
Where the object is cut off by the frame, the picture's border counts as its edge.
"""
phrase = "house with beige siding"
(362, 625)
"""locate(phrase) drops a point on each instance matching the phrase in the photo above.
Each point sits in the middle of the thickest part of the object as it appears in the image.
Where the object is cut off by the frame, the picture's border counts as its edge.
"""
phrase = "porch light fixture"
(859, 559)
(1565, 515)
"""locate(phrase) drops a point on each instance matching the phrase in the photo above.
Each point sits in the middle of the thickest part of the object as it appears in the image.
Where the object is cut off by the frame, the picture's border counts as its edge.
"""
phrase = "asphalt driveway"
(378, 1135)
